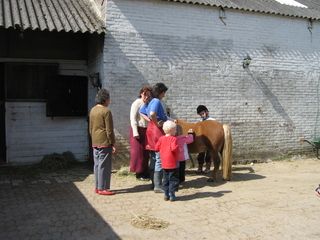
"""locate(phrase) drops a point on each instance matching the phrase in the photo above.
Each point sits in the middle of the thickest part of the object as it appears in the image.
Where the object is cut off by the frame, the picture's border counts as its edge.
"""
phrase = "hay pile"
(124, 172)
(56, 161)
(147, 222)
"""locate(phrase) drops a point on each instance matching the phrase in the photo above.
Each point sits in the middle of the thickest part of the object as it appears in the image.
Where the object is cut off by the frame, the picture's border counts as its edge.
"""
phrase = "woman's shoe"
(105, 192)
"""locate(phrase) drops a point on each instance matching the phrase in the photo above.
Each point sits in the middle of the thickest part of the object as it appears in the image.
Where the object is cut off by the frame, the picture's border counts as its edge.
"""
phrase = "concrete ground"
(274, 200)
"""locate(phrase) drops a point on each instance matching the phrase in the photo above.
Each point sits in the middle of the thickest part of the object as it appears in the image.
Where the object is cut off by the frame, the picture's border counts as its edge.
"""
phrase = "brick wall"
(270, 105)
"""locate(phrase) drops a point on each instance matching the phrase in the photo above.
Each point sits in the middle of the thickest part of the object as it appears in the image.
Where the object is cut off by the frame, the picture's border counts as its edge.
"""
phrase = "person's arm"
(134, 110)
(155, 108)
(143, 112)
(90, 124)
(190, 136)
(174, 147)
(157, 147)
(153, 118)
(109, 129)
(145, 117)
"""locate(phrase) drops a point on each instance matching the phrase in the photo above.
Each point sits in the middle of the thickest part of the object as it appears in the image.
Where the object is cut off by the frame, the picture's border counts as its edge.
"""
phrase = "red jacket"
(169, 150)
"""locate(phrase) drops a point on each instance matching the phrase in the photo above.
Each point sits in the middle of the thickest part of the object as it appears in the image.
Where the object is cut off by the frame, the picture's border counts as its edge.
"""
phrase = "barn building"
(253, 63)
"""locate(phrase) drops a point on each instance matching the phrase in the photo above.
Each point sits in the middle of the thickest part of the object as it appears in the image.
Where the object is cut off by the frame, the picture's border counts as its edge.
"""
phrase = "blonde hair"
(168, 126)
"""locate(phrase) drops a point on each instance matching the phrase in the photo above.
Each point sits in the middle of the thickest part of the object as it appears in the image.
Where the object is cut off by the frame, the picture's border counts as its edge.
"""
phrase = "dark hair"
(158, 88)
(201, 108)
(145, 88)
(102, 96)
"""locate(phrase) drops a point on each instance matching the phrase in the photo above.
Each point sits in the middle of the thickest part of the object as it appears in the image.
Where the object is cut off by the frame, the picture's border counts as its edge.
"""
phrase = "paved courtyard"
(274, 200)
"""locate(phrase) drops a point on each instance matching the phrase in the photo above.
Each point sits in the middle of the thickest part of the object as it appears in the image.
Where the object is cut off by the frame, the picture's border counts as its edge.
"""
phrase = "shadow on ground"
(202, 195)
(138, 188)
(245, 174)
(34, 207)
(200, 181)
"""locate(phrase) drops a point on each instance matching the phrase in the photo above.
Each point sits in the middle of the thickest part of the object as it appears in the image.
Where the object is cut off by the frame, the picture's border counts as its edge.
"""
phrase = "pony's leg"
(192, 161)
(216, 164)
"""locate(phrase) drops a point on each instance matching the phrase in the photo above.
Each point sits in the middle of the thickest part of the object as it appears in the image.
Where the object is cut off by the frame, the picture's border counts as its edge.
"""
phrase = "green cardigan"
(101, 126)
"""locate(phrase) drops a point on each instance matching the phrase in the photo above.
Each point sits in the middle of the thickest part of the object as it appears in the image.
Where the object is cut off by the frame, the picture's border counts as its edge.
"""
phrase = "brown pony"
(212, 136)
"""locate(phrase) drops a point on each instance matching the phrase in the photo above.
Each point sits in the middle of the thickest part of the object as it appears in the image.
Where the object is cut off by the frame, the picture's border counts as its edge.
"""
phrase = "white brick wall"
(270, 105)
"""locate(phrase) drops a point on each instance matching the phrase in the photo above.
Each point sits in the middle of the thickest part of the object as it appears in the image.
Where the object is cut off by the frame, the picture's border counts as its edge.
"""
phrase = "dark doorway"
(2, 117)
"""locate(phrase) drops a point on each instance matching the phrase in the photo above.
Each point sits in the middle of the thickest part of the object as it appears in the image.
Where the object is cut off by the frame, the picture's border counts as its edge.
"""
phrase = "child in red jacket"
(168, 147)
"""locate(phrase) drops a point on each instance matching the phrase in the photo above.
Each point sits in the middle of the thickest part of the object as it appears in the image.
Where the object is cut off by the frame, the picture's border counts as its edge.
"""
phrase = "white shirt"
(135, 118)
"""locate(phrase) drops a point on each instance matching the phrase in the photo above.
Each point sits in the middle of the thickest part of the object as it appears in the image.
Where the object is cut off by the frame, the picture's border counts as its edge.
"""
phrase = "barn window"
(68, 96)
(28, 81)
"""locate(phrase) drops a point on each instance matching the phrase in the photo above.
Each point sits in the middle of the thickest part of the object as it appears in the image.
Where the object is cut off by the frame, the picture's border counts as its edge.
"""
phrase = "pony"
(215, 137)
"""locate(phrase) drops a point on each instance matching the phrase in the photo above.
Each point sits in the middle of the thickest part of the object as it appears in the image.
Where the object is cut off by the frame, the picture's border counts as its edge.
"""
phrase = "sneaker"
(105, 192)
(172, 197)
(143, 179)
(158, 190)
(166, 198)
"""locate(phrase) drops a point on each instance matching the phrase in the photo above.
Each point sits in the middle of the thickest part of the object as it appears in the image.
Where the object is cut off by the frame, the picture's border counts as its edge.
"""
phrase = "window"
(28, 81)
(65, 95)
(68, 96)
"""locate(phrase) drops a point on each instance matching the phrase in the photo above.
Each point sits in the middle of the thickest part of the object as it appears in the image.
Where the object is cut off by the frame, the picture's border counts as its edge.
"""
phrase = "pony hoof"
(210, 180)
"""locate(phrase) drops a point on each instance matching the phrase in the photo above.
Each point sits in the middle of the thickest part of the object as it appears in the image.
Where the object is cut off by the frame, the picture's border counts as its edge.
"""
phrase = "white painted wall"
(30, 134)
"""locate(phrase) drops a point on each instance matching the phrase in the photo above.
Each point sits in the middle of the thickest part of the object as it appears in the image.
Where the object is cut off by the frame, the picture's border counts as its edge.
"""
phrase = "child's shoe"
(158, 190)
(166, 195)
(172, 197)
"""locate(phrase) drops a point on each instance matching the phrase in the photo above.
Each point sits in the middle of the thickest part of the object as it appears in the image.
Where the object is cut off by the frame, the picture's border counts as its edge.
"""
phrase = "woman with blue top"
(156, 114)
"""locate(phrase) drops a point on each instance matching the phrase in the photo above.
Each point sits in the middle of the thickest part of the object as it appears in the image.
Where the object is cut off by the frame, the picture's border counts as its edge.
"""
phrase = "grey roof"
(265, 6)
(51, 15)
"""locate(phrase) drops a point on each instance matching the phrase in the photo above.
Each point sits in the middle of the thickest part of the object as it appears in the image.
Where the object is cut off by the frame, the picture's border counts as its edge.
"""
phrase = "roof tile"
(51, 15)
(265, 6)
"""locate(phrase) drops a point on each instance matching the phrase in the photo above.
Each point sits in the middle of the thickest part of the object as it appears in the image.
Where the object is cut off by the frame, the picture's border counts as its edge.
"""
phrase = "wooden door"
(2, 117)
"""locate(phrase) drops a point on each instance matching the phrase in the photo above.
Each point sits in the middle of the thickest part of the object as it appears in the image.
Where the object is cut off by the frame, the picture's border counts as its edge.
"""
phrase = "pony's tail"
(227, 153)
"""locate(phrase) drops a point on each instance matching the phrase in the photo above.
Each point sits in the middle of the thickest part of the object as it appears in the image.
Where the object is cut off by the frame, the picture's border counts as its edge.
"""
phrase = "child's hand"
(190, 131)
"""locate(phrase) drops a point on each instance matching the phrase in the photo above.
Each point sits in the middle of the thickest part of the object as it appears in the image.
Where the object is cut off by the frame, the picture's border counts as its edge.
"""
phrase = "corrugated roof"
(51, 15)
(265, 6)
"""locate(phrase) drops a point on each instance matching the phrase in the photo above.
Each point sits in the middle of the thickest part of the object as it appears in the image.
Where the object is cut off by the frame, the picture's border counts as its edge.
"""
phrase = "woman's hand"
(160, 123)
(145, 117)
(114, 150)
